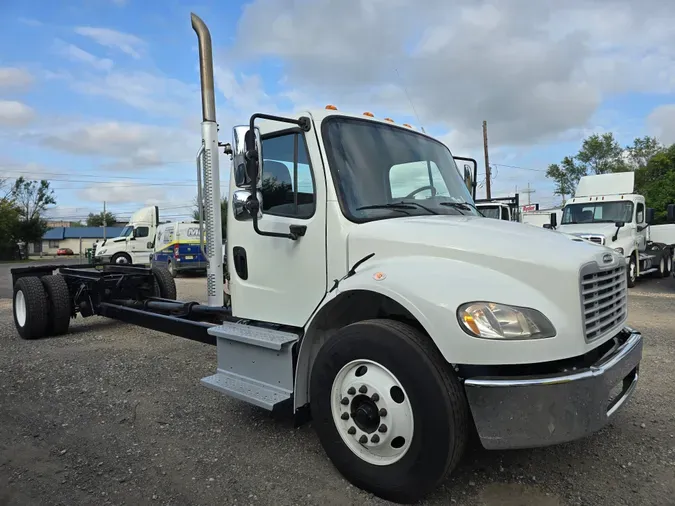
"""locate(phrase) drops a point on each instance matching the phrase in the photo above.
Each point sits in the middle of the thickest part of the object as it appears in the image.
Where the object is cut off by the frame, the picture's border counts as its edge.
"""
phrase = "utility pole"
(529, 192)
(487, 161)
(104, 221)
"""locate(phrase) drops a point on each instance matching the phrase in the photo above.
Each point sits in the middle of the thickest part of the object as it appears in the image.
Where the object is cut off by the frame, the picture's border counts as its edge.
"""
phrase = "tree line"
(652, 162)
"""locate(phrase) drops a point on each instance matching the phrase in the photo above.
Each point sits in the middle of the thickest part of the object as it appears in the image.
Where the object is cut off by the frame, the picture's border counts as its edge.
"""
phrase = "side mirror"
(548, 226)
(619, 224)
(239, 200)
(671, 213)
(649, 218)
(554, 220)
(149, 246)
(246, 172)
(470, 174)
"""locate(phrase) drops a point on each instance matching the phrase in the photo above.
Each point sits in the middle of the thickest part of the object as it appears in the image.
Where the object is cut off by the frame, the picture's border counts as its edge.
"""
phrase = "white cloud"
(33, 23)
(125, 42)
(13, 113)
(123, 146)
(661, 122)
(124, 193)
(144, 91)
(12, 77)
(77, 54)
(533, 70)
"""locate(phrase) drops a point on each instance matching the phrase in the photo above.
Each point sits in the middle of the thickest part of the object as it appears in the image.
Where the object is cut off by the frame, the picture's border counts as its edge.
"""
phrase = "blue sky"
(101, 96)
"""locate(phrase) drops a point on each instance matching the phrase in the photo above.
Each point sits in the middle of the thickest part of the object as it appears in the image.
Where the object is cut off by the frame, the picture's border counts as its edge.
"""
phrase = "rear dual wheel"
(392, 418)
(42, 306)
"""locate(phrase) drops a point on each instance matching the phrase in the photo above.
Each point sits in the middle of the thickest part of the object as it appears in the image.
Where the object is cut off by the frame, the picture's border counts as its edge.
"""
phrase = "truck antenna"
(209, 165)
(405, 89)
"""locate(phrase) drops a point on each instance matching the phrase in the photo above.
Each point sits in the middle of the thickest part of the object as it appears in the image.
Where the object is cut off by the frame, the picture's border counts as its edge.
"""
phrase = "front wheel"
(393, 419)
(632, 271)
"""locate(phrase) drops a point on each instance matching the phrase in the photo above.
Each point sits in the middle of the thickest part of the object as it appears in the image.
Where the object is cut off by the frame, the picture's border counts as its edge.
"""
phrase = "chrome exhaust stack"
(208, 154)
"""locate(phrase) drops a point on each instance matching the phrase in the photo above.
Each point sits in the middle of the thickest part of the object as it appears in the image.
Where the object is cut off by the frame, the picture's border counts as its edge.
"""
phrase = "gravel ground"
(115, 414)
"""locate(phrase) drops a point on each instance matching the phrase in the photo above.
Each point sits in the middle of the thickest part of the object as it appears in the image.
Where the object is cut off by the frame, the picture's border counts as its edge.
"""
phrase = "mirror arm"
(295, 231)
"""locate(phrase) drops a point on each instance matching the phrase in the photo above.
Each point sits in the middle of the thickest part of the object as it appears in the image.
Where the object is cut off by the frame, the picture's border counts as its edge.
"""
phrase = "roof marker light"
(389, 120)
(369, 114)
(331, 107)
(407, 125)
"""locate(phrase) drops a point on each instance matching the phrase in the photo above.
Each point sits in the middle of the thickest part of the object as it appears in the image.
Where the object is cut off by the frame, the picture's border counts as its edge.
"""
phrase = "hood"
(606, 229)
(496, 244)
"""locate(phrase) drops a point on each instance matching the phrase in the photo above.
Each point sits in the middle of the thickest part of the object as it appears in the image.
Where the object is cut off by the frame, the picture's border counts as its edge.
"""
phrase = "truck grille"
(599, 239)
(603, 296)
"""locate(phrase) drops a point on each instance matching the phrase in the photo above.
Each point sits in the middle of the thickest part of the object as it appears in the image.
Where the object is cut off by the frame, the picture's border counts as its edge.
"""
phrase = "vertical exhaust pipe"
(210, 167)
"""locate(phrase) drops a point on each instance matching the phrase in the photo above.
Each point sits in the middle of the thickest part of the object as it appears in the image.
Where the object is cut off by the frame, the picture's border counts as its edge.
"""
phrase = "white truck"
(135, 243)
(500, 208)
(375, 300)
(605, 210)
(541, 217)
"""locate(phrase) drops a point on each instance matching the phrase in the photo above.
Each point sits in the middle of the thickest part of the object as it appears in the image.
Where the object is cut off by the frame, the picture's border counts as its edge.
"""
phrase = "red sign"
(530, 207)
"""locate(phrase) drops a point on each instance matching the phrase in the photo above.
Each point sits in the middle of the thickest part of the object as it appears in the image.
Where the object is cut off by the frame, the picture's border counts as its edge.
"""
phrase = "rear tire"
(667, 259)
(425, 400)
(59, 304)
(171, 269)
(30, 308)
(166, 283)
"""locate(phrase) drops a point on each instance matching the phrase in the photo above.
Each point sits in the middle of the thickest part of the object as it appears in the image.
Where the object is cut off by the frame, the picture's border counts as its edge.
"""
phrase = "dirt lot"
(113, 414)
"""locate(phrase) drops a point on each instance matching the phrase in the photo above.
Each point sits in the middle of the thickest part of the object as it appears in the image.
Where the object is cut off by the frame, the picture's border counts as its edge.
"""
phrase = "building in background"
(71, 237)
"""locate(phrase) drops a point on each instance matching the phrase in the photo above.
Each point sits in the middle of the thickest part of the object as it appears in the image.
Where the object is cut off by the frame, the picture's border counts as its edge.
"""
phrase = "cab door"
(276, 279)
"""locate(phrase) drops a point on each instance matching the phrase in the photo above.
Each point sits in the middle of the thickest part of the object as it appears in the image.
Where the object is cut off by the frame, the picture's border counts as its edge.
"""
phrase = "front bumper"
(534, 411)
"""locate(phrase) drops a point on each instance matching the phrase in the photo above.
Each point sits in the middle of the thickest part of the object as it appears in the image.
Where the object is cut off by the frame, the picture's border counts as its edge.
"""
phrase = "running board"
(254, 364)
(648, 271)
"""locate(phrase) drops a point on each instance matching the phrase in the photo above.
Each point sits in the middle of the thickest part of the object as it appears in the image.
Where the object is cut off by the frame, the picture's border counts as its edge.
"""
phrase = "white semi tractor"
(606, 210)
(375, 300)
(135, 242)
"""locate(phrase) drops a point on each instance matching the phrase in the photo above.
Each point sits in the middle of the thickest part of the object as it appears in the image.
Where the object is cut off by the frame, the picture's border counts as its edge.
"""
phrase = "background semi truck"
(606, 210)
(378, 303)
(134, 244)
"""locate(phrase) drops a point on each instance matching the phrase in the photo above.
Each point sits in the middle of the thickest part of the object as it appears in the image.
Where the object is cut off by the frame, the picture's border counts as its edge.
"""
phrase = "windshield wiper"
(406, 203)
(458, 205)
(394, 206)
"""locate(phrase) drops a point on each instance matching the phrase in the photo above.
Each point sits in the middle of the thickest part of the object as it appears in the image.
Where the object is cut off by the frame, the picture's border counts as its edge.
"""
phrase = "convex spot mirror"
(246, 172)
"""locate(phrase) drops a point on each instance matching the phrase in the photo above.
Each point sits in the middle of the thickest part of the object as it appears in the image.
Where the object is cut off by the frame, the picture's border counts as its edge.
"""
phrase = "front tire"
(632, 271)
(120, 259)
(393, 420)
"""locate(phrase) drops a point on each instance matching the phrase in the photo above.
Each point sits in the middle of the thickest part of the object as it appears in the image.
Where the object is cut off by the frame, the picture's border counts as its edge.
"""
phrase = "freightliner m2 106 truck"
(606, 210)
(369, 295)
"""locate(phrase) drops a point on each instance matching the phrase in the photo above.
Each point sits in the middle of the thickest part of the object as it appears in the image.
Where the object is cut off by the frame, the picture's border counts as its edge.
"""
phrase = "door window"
(287, 180)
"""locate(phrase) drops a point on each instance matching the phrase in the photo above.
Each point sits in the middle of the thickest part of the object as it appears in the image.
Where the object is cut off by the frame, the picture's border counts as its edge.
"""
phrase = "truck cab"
(605, 210)
(135, 243)
(501, 208)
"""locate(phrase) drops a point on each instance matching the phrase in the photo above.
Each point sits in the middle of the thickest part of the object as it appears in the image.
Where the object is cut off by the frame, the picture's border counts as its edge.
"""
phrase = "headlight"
(100, 252)
(498, 321)
(619, 250)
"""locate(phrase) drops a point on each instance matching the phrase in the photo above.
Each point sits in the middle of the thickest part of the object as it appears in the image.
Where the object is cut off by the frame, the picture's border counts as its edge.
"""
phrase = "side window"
(287, 182)
(505, 213)
(405, 178)
(141, 232)
(640, 214)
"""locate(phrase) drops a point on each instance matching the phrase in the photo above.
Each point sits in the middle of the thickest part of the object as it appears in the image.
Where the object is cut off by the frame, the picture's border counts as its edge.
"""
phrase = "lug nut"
(375, 439)
(382, 412)
(351, 391)
(344, 401)
(351, 431)
(363, 440)
(375, 397)
(345, 416)
(363, 389)
(382, 428)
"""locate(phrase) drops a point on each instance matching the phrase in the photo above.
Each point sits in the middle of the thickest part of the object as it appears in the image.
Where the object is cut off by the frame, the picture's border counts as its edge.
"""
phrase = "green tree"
(566, 176)
(642, 150)
(223, 214)
(31, 199)
(658, 182)
(96, 220)
(602, 154)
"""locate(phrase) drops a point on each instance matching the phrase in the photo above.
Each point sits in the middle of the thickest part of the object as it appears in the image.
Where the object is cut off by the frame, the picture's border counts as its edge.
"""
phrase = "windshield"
(383, 171)
(126, 231)
(491, 211)
(598, 212)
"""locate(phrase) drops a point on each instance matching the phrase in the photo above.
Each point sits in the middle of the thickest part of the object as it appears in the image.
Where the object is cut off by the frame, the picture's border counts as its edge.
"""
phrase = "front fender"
(432, 289)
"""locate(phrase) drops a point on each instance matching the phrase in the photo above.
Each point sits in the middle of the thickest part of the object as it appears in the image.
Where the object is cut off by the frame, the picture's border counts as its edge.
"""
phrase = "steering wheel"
(421, 189)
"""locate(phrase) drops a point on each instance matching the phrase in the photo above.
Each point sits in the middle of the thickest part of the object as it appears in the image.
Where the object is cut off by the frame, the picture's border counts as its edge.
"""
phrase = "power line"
(517, 167)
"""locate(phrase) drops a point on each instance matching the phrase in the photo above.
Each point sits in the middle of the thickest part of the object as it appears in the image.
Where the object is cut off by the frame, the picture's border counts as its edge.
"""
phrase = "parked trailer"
(500, 208)
(377, 302)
